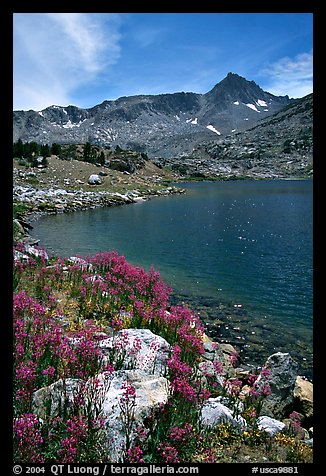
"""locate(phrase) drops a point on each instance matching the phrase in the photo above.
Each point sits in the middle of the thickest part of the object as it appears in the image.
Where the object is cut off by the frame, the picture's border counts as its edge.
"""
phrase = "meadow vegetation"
(62, 309)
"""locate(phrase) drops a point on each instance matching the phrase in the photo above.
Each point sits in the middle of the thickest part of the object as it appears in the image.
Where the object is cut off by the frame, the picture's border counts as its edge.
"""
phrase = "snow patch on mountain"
(212, 128)
(192, 121)
(252, 106)
(70, 125)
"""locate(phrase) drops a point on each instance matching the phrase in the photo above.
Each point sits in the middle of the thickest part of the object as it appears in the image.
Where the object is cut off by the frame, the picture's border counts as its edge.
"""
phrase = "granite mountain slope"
(279, 146)
(163, 126)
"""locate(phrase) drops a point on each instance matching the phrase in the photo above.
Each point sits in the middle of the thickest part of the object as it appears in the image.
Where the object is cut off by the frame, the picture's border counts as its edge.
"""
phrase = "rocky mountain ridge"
(162, 126)
(279, 146)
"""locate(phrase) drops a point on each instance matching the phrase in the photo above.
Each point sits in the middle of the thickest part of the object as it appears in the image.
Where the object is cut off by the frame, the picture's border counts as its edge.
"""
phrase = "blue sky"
(85, 58)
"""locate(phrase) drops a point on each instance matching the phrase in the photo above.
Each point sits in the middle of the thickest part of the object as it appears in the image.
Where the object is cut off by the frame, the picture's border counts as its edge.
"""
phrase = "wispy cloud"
(149, 36)
(55, 53)
(293, 76)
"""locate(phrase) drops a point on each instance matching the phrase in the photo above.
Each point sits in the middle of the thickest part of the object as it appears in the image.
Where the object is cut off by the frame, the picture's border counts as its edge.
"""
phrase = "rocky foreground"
(153, 390)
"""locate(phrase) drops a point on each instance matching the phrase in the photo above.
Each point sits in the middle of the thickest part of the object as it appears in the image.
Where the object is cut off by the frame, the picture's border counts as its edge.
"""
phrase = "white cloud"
(55, 53)
(290, 76)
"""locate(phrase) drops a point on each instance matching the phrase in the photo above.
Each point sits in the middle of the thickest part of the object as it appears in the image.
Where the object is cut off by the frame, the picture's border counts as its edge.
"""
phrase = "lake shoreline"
(222, 320)
(254, 339)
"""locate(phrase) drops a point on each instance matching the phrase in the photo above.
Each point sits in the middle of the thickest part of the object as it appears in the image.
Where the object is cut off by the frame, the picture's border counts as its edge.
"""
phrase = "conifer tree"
(18, 149)
(45, 150)
(102, 158)
(87, 151)
(55, 149)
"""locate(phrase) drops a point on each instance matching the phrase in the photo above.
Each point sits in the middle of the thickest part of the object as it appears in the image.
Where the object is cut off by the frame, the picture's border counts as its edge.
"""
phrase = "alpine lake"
(239, 253)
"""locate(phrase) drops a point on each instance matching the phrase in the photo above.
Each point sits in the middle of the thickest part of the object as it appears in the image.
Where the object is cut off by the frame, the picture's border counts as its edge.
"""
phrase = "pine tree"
(18, 149)
(45, 150)
(87, 151)
(34, 149)
(102, 158)
(55, 149)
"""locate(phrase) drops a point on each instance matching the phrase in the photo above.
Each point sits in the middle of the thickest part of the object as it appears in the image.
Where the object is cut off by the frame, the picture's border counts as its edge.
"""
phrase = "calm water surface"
(247, 244)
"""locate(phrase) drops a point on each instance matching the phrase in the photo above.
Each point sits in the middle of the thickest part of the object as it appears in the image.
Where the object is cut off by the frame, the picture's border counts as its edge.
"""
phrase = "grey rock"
(38, 253)
(60, 200)
(105, 394)
(209, 372)
(18, 226)
(76, 260)
(52, 400)
(214, 413)
(309, 442)
(281, 381)
(19, 256)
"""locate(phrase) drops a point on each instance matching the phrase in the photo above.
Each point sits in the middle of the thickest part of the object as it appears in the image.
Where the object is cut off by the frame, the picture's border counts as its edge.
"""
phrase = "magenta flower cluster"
(28, 439)
(44, 352)
(105, 292)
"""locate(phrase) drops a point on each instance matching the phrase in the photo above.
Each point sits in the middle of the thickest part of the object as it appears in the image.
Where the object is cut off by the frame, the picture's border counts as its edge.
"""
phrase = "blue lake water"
(238, 252)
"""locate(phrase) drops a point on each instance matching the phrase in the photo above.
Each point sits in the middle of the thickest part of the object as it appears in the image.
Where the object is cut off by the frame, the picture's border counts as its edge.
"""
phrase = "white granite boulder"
(139, 348)
(94, 179)
(107, 395)
(270, 425)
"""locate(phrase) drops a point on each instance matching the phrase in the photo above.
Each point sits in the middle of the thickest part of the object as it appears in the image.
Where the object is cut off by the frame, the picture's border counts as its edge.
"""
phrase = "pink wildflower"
(28, 439)
(169, 453)
(135, 455)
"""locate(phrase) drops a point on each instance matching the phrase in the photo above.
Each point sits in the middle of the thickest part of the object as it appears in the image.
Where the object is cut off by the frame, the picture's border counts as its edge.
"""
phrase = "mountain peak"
(234, 82)
(234, 75)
